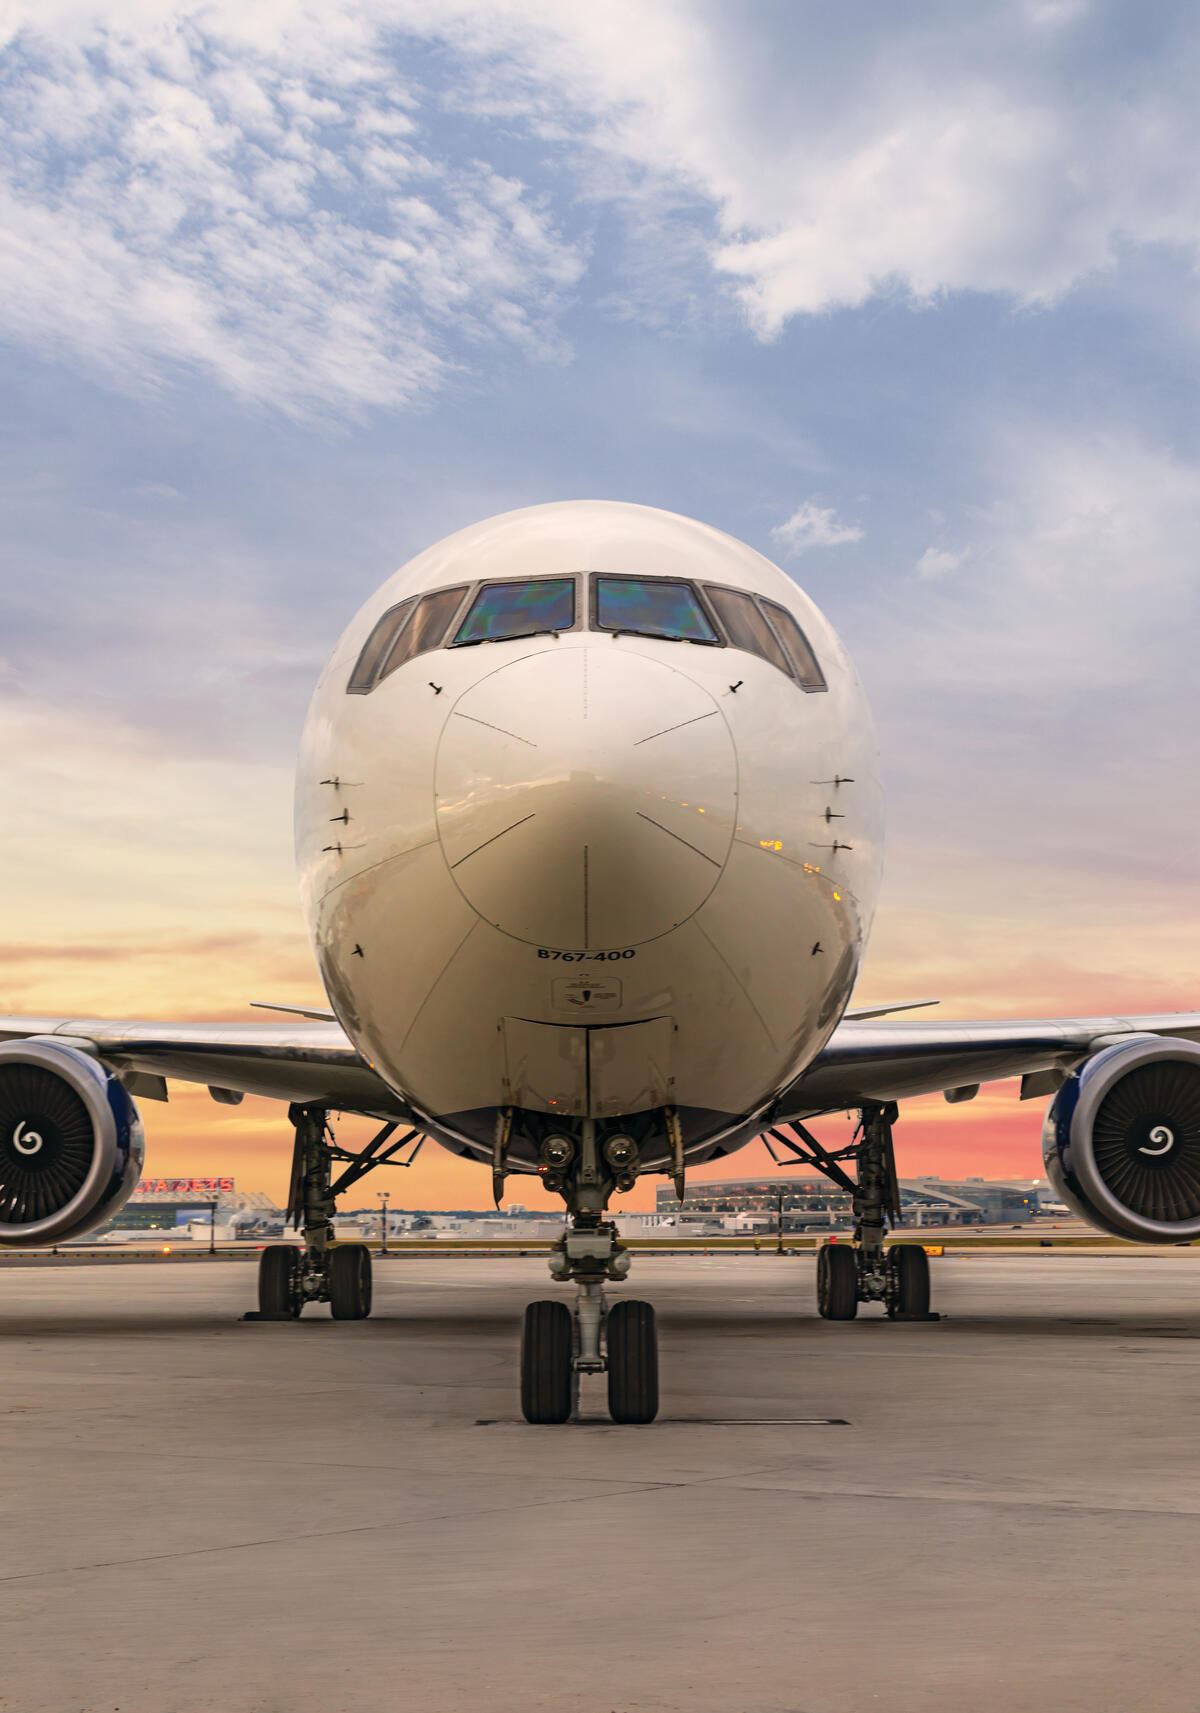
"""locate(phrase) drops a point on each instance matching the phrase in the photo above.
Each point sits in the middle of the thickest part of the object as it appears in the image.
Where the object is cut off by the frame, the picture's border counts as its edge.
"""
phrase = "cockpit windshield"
(665, 607)
(652, 606)
(503, 610)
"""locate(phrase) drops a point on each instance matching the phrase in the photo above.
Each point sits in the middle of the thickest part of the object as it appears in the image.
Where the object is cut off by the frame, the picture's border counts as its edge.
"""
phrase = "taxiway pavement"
(203, 1513)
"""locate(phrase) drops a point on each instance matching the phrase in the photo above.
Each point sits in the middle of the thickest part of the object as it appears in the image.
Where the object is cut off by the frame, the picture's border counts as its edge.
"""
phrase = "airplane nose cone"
(586, 797)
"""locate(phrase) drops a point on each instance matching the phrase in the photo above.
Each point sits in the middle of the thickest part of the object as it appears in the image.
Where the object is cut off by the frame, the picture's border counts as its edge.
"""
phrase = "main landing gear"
(865, 1271)
(320, 1271)
(560, 1343)
(844, 1280)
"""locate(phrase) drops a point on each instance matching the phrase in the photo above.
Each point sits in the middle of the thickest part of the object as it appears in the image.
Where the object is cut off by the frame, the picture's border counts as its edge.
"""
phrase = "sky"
(905, 297)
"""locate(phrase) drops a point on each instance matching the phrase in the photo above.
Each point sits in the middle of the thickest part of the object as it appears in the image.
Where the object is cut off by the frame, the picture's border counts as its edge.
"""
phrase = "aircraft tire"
(547, 1356)
(278, 1273)
(909, 1267)
(632, 1337)
(837, 1282)
(350, 1282)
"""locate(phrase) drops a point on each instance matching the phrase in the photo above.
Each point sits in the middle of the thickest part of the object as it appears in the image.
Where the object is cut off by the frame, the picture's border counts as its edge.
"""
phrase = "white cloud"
(265, 192)
(1038, 718)
(179, 190)
(917, 149)
(937, 562)
(1087, 584)
(811, 525)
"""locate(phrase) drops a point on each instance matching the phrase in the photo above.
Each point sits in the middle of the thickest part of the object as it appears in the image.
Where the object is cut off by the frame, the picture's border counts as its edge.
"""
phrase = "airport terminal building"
(166, 1204)
(810, 1203)
(813, 1203)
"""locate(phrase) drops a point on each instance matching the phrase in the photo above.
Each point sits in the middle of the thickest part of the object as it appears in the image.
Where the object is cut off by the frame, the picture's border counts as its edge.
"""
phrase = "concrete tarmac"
(202, 1513)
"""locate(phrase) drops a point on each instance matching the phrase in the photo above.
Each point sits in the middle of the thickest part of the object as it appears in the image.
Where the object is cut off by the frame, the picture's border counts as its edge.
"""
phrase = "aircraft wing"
(864, 1061)
(297, 1061)
(873, 1061)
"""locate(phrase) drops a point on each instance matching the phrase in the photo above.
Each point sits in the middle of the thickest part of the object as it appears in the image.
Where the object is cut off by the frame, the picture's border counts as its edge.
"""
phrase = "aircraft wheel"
(632, 1339)
(908, 1265)
(350, 1281)
(837, 1282)
(278, 1282)
(547, 1358)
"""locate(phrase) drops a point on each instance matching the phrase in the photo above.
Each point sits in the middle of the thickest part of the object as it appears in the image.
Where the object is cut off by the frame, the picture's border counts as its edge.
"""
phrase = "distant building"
(814, 1204)
(166, 1204)
(1002, 1202)
(806, 1201)
(672, 1222)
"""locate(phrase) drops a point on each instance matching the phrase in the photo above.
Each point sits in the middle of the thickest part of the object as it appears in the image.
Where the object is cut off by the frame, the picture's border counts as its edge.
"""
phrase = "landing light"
(619, 1151)
(557, 1151)
(556, 1154)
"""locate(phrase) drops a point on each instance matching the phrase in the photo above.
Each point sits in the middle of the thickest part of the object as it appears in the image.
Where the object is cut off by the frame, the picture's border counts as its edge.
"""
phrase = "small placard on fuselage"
(586, 993)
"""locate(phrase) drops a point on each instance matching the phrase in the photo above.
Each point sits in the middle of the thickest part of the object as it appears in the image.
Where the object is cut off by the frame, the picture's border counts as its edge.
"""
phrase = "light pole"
(779, 1220)
(212, 1230)
(383, 1196)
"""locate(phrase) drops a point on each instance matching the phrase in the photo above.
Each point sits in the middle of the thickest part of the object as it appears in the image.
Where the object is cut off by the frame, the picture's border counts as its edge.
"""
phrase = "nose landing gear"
(547, 1364)
(632, 1362)
(559, 1344)
(621, 1342)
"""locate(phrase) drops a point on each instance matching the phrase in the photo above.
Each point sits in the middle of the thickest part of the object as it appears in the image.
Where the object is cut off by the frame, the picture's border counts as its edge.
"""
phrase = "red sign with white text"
(183, 1186)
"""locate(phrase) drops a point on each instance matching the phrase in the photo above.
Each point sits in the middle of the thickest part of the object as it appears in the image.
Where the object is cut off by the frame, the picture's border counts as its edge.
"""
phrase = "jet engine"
(71, 1143)
(1121, 1140)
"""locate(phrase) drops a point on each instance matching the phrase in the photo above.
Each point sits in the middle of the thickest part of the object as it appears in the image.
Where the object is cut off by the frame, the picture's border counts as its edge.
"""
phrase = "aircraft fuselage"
(595, 872)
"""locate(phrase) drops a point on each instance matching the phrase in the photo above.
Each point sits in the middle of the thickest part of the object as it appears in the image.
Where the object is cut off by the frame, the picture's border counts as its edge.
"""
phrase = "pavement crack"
(330, 1534)
(999, 1501)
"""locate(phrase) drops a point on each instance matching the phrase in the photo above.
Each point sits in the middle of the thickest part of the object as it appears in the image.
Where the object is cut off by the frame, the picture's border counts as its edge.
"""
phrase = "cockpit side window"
(411, 628)
(804, 662)
(745, 626)
(530, 608)
(426, 628)
(375, 649)
(651, 606)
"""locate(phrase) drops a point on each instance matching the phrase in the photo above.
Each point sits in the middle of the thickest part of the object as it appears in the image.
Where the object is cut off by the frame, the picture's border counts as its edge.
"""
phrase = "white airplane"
(589, 830)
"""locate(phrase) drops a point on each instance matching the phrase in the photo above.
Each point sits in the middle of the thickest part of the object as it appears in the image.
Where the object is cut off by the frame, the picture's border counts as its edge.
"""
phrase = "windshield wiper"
(515, 636)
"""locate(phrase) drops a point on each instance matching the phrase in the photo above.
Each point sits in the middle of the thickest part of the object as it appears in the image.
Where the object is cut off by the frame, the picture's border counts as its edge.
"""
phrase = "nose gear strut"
(621, 1342)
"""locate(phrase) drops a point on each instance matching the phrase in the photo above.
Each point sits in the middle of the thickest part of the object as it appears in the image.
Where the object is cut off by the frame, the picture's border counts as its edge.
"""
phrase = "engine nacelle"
(71, 1143)
(1121, 1140)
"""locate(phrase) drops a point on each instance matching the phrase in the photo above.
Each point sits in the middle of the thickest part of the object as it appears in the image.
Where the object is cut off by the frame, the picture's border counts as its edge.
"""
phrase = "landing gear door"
(546, 1067)
(630, 1068)
(589, 1073)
